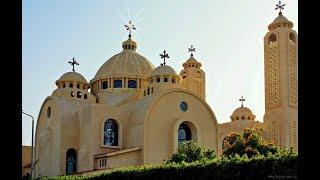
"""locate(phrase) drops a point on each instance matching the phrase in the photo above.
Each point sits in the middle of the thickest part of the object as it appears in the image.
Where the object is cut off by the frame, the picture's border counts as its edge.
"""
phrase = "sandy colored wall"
(164, 118)
(126, 159)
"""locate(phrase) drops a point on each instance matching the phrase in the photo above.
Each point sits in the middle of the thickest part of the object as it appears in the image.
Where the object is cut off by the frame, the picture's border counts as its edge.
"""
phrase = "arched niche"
(192, 126)
(272, 38)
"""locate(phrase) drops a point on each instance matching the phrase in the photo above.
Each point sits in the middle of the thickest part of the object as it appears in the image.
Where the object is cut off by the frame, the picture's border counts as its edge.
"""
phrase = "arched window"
(104, 84)
(63, 85)
(158, 79)
(132, 84)
(292, 37)
(151, 89)
(165, 79)
(144, 92)
(71, 161)
(71, 85)
(72, 94)
(110, 133)
(184, 133)
(78, 94)
(78, 86)
(272, 38)
(48, 112)
(85, 96)
(172, 80)
(117, 83)
(148, 90)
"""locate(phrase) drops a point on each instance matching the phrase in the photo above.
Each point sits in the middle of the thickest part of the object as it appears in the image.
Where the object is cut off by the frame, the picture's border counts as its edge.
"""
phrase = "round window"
(183, 106)
(49, 112)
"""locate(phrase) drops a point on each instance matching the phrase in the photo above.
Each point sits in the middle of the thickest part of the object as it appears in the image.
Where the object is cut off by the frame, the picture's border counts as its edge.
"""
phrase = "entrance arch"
(71, 161)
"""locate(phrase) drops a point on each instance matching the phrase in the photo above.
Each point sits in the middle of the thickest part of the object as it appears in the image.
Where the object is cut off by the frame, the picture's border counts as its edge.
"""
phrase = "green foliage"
(249, 142)
(188, 151)
(282, 163)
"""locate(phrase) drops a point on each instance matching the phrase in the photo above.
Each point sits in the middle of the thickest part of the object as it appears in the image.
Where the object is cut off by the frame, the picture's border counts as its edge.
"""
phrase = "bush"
(249, 142)
(188, 151)
(282, 163)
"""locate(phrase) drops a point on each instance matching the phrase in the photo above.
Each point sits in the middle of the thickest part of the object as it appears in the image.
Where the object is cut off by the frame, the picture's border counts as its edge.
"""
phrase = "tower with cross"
(281, 79)
(72, 63)
(164, 56)
(193, 77)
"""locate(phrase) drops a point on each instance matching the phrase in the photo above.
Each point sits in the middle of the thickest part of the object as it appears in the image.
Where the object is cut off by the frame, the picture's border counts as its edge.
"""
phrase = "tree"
(188, 151)
(249, 142)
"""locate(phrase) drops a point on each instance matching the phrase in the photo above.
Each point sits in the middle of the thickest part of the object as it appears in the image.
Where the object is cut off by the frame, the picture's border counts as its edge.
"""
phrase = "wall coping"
(117, 152)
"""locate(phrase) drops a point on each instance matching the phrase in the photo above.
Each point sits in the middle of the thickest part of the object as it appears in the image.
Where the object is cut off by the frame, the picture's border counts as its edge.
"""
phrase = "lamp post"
(31, 143)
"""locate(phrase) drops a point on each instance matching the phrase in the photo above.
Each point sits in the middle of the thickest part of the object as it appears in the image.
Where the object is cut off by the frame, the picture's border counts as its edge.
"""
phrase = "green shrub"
(281, 163)
(249, 142)
(188, 151)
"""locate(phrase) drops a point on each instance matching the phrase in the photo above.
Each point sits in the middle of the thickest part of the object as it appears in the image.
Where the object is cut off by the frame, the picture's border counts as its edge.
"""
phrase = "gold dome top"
(72, 76)
(126, 63)
(280, 21)
(192, 62)
(242, 113)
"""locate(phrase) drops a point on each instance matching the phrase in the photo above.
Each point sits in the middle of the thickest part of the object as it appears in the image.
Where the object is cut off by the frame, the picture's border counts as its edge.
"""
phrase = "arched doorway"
(71, 161)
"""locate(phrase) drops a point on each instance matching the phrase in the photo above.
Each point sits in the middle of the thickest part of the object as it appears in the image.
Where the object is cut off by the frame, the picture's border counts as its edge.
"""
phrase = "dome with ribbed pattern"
(126, 63)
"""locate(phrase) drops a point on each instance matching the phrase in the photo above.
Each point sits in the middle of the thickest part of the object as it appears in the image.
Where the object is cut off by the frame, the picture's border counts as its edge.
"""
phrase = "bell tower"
(281, 82)
(193, 78)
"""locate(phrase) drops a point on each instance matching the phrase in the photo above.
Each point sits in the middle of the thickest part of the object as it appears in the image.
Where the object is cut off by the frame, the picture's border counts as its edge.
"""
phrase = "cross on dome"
(280, 7)
(164, 56)
(73, 62)
(242, 101)
(129, 27)
(192, 50)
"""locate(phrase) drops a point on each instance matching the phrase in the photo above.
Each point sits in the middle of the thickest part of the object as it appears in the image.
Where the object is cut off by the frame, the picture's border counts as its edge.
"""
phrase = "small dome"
(242, 113)
(72, 76)
(280, 20)
(163, 70)
(191, 61)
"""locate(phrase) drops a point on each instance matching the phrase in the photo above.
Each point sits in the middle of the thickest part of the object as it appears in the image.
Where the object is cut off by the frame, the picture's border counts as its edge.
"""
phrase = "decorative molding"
(292, 74)
(272, 75)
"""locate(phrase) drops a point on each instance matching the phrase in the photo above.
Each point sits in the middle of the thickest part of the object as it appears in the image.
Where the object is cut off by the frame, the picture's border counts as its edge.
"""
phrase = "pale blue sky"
(228, 36)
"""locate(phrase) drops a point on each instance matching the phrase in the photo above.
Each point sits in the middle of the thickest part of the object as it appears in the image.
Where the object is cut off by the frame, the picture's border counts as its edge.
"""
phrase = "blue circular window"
(183, 106)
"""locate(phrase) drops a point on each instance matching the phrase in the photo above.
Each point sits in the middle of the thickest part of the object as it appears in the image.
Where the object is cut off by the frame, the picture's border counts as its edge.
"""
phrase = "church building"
(132, 113)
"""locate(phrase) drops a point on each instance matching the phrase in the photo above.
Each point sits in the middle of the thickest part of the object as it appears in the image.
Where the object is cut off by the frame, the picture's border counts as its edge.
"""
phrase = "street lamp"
(31, 143)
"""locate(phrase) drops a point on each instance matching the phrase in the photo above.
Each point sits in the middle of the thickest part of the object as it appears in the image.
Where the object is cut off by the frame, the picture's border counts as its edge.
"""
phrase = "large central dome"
(126, 63)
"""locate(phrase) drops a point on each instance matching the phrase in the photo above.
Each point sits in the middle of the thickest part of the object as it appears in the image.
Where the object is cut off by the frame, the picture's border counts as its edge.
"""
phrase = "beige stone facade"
(132, 113)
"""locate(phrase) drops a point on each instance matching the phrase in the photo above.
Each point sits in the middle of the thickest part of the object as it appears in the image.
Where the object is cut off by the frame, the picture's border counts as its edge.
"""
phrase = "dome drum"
(118, 83)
